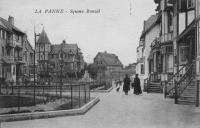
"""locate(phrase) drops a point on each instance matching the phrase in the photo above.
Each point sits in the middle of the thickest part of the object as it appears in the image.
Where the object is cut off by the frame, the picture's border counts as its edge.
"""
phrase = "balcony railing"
(18, 59)
(9, 59)
(9, 43)
(18, 44)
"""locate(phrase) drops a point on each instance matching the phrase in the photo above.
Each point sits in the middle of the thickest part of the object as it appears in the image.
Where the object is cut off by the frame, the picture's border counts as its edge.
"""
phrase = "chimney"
(11, 20)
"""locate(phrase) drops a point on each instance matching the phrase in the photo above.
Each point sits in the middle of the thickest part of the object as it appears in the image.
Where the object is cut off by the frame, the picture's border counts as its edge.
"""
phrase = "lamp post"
(35, 36)
(61, 66)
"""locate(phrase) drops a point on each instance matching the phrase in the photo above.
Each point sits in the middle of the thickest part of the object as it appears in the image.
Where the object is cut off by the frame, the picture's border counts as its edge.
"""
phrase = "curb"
(49, 114)
(103, 91)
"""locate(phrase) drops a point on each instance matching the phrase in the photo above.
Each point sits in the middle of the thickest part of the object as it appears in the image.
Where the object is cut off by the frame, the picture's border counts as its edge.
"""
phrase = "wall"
(149, 37)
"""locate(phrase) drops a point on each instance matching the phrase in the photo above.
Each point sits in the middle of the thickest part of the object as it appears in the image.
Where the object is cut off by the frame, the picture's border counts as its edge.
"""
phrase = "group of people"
(127, 83)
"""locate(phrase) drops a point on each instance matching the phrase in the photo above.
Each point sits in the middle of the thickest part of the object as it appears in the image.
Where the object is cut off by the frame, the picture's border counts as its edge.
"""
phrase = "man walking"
(126, 86)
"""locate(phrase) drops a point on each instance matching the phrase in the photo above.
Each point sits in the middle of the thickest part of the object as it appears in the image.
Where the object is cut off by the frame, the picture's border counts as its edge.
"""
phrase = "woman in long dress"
(126, 86)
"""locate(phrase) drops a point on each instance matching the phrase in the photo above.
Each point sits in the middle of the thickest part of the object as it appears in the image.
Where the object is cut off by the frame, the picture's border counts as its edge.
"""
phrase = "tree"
(93, 69)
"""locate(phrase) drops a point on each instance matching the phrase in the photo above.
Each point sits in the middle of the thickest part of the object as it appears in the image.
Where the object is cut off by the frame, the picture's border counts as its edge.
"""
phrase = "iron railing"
(169, 84)
(76, 95)
(185, 81)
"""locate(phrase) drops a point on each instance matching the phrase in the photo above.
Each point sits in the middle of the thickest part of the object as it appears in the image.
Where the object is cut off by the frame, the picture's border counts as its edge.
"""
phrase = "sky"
(115, 29)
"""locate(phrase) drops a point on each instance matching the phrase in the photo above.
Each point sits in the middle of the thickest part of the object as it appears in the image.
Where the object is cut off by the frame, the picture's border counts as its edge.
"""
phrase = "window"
(0, 71)
(1, 33)
(184, 5)
(183, 54)
(169, 49)
(169, 22)
(14, 71)
(190, 4)
(5, 35)
(142, 69)
(3, 51)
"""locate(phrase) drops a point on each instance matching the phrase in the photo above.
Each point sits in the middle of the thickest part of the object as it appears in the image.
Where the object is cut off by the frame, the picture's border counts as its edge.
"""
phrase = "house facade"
(161, 55)
(28, 56)
(12, 41)
(110, 67)
(65, 60)
(172, 46)
(140, 60)
(151, 31)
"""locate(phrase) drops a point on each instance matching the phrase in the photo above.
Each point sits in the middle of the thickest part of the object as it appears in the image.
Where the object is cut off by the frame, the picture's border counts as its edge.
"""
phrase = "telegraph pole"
(35, 35)
(34, 65)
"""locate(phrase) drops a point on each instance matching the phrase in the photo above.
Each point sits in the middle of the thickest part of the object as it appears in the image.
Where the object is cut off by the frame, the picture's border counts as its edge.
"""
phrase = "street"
(116, 110)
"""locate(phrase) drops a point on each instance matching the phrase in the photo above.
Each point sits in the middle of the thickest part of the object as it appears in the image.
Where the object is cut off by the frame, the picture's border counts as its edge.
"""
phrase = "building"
(131, 69)
(110, 66)
(140, 61)
(12, 40)
(28, 56)
(65, 60)
(186, 52)
(151, 32)
(161, 55)
(174, 56)
(43, 47)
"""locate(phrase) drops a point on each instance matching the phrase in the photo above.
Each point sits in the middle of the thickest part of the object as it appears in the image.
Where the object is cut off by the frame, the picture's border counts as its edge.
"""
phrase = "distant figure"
(117, 86)
(126, 86)
(120, 83)
(136, 84)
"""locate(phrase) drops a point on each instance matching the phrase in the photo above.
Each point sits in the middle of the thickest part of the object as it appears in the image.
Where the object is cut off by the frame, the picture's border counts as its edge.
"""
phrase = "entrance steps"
(154, 87)
(188, 96)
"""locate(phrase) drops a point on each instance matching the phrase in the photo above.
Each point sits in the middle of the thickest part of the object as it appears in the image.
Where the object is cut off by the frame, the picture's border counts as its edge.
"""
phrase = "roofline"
(153, 25)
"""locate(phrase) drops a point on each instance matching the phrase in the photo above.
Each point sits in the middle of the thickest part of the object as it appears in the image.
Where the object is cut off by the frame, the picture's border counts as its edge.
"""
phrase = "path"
(116, 110)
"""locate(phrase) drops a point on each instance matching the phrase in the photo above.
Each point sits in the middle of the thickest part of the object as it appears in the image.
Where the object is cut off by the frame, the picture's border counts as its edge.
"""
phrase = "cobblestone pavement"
(116, 110)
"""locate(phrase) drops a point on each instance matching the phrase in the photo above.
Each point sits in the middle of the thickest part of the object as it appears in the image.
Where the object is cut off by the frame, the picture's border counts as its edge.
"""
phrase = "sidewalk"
(116, 110)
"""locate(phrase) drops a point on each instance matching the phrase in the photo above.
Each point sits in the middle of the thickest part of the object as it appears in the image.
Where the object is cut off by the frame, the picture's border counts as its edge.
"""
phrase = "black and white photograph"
(99, 63)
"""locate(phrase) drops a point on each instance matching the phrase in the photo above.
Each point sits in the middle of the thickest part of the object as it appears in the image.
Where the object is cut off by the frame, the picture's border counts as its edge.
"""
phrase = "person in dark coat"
(126, 86)
(137, 87)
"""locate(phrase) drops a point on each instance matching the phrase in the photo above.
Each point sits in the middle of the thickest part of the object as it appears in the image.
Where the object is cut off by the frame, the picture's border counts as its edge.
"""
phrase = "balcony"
(18, 45)
(19, 60)
(8, 59)
(168, 37)
(9, 44)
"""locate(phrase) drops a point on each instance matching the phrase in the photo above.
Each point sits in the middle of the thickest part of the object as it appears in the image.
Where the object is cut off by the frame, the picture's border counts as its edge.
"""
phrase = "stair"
(154, 87)
(189, 95)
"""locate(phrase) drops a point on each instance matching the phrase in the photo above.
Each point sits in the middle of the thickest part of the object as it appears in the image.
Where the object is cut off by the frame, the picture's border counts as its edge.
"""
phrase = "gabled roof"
(109, 59)
(8, 26)
(150, 23)
(29, 47)
(66, 48)
(43, 38)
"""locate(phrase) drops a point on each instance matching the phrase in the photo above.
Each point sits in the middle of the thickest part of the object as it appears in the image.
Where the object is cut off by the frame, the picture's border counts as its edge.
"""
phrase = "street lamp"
(61, 66)
(35, 36)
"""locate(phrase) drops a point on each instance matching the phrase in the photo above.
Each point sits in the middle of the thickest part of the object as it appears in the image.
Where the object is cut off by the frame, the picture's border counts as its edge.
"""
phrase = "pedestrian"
(117, 86)
(136, 84)
(120, 83)
(126, 86)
